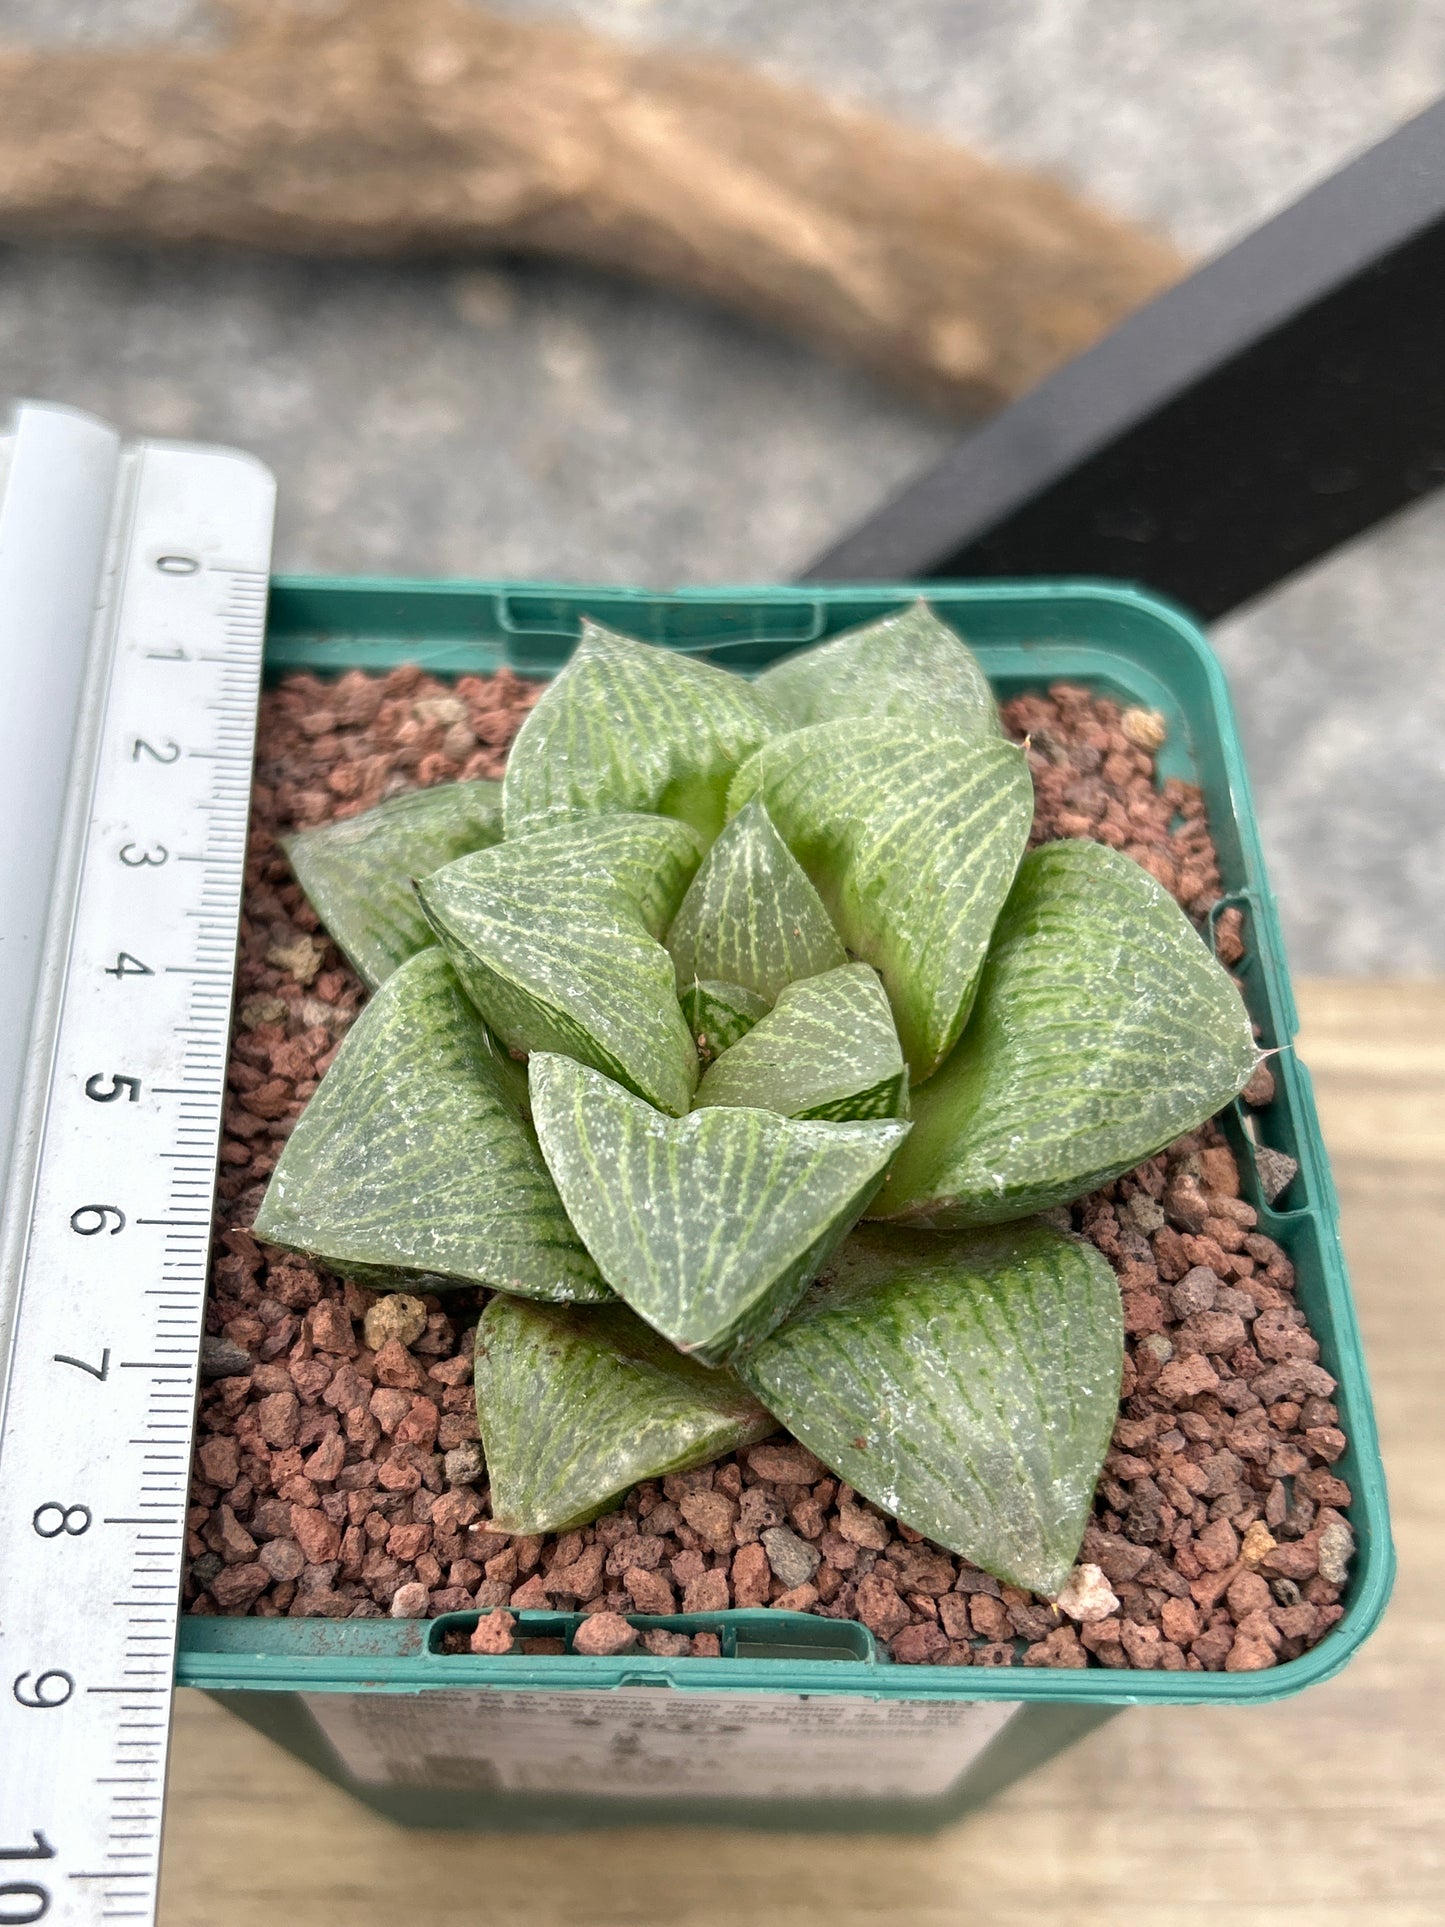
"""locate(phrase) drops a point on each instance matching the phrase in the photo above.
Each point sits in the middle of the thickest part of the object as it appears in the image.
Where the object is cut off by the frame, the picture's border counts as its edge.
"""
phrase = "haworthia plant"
(966, 1383)
(414, 1157)
(827, 1049)
(575, 1407)
(912, 840)
(719, 1014)
(909, 665)
(812, 886)
(710, 1226)
(1104, 1029)
(358, 872)
(750, 916)
(555, 939)
(627, 726)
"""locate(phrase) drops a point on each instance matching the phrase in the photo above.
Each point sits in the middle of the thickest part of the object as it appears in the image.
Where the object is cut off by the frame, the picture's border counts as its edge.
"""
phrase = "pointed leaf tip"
(555, 939)
(710, 1226)
(628, 726)
(357, 874)
(413, 1157)
(967, 1383)
(828, 1049)
(750, 916)
(911, 840)
(576, 1407)
(1104, 1029)
(909, 665)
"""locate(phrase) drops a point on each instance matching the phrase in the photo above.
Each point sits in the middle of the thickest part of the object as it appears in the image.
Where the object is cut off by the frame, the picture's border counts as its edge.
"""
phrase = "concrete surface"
(471, 419)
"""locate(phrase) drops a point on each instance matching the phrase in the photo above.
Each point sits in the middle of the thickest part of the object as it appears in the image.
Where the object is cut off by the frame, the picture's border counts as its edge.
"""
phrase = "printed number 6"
(100, 1213)
(40, 1691)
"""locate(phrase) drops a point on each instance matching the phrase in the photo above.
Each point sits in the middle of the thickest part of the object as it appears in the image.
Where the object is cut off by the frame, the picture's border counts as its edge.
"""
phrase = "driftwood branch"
(426, 126)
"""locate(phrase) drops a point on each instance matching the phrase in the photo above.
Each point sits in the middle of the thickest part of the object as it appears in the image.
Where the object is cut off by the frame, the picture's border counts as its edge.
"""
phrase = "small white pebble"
(409, 1601)
(1087, 1595)
(1145, 728)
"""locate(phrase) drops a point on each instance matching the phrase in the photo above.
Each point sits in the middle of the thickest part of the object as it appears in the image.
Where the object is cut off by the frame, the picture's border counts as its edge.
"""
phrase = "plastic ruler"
(132, 615)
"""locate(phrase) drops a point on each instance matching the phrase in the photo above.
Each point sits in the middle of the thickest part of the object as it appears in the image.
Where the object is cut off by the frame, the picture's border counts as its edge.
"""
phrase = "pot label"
(639, 1742)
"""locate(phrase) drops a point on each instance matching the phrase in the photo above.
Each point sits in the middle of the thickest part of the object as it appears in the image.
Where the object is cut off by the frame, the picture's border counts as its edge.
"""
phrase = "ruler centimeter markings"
(109, 1206)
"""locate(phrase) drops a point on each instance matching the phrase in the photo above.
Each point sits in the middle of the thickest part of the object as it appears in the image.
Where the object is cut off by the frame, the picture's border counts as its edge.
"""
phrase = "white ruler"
(132, 609)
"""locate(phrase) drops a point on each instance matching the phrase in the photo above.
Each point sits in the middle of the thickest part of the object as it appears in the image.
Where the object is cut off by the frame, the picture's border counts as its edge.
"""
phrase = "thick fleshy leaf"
(719, 1014)
(912, 840)
(1103, 1030)
(577, 1406)
(555, 939)
(358, 873)
(710, 1226)
(627, 726)
(910, 665)
(966, 1383)
(414, 1158)
(827, 1049)
(751, 916)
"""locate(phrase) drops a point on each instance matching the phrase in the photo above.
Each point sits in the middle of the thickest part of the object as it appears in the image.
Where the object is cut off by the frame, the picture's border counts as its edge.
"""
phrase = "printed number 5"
(130, 1085)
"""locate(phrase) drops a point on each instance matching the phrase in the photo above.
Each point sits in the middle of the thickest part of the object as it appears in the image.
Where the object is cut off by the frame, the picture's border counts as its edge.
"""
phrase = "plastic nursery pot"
(801, 1721)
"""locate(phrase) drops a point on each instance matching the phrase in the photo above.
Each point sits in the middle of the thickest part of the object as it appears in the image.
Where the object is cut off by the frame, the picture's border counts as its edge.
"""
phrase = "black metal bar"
(1285, 397)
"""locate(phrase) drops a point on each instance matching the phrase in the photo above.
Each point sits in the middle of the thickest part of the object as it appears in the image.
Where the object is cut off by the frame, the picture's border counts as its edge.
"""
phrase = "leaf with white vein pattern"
(414, 1157)
(576, 1406)
(1104, 1029)
(751, 916)
(912, 840)
(358, 873)
(827, 1049)
(627, 726)
(719, 1014)
(710, 1226)
(555, 940)
(910, 665)
(966, 1383)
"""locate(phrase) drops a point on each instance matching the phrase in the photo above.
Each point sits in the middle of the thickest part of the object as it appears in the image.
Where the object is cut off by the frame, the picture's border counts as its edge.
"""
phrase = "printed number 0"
(28, 1890)
(156, 857)
(61, 1518)
(39, 1691)
(100, 1213)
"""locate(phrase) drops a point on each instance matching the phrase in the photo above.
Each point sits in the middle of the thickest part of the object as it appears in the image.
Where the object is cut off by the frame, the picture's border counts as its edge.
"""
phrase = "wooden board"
(1323, 1811)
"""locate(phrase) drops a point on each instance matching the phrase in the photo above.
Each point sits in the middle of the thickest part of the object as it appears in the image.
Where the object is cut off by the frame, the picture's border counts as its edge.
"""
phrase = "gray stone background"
(532, 421)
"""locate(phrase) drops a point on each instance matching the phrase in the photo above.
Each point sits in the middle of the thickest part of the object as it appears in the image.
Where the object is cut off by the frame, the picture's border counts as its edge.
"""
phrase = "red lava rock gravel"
(338, 1472)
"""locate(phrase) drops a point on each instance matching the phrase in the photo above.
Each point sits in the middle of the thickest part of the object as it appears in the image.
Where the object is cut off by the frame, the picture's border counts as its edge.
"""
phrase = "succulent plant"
(734, 1046)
